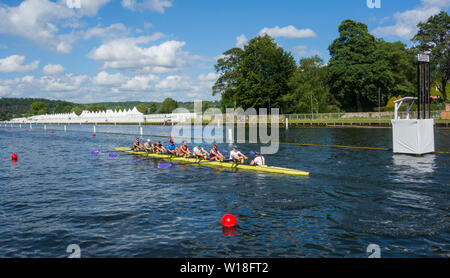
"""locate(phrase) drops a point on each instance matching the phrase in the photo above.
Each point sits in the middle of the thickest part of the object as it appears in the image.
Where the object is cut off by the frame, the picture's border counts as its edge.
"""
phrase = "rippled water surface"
(58, 194)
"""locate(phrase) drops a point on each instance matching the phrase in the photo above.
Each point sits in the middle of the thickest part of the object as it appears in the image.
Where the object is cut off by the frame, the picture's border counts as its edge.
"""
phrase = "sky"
(146, 50)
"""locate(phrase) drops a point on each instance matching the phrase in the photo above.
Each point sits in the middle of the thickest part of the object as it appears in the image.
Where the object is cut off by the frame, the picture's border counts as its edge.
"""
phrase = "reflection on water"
(408, 168)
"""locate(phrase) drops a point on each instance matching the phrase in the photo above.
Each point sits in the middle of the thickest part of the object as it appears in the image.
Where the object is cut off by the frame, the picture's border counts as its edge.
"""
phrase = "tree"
(400, 66)
(352, 56)
(226, 84)
(308, 85)
(168, 106)
(38, 108)
(433, 37)
(153, 107)
(257, 76)
(96, 108)
(119, 108)
(63, 107)
(77, 110)
(361, 64)
(142, 108)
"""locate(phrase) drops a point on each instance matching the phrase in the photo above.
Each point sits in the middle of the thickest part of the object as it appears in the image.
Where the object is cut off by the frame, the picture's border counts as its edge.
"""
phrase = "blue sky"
(147, 50)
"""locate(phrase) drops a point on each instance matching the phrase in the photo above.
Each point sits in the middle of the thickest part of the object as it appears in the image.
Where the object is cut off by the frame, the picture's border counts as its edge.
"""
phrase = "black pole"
(418, 90)
(429, 90)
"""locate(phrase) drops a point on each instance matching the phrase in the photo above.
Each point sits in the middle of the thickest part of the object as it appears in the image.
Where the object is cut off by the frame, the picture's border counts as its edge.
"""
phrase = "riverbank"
(440, 124)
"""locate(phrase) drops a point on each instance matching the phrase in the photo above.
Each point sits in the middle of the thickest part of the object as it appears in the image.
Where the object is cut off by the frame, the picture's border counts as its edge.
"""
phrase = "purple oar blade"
(252, 153)
(164, 166)
(95, 152)
(224, 151)
(136, 159)
(113, 155)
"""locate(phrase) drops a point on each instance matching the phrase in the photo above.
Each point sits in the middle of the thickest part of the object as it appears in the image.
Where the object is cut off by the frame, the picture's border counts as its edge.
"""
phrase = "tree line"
(26, 107)
(362, 73)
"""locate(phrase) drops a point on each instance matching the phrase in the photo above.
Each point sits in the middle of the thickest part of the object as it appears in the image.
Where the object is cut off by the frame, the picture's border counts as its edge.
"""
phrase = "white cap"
(148, 140)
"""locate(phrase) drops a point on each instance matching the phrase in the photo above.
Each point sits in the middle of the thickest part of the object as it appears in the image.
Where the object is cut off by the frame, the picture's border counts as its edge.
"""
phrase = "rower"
(259, 160)
(184, 149)
(172, 148)
(148, 146)
(215, 154)
(199, 152)
(236, 156)
(159, 148)
(137, 146)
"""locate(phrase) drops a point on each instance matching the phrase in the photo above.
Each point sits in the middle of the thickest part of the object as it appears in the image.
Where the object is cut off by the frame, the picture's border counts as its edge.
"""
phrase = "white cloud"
(148, 25)
(16, 63)
(140, 82)
(112, 31)
(212, 76)
(151, 5)
(288, 32)
(64, 83)
(53, 69)
(40, 21)
(406, 22)
(129, 54)
(241, 41)
(303, 51)
(90, 7)
(105, 79)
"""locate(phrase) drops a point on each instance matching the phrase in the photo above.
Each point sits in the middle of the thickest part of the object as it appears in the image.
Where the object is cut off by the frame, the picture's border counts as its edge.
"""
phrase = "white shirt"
(233, 153)
(260, 161)
(198, 151)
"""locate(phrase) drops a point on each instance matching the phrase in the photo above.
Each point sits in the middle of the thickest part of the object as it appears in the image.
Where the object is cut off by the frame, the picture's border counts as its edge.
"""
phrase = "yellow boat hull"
(209, 163)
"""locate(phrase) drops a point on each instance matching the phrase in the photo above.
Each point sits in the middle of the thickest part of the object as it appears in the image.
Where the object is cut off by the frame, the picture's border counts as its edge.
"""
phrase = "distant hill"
(18, 107)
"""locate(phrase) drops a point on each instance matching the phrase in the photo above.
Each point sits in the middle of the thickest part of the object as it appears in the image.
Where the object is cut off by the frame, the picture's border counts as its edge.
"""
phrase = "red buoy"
(53, 131)
(229, 221)
(14, 157)
(93, 134)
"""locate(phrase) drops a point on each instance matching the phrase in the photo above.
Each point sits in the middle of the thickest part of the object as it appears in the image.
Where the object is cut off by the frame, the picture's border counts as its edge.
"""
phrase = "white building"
(109, 116)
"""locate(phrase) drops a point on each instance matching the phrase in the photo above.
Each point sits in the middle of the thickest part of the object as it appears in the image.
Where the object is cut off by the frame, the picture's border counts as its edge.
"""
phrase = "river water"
(58, 194)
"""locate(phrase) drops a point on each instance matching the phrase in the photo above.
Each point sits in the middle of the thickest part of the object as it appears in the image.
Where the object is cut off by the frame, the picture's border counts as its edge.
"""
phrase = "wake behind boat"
(211, 163)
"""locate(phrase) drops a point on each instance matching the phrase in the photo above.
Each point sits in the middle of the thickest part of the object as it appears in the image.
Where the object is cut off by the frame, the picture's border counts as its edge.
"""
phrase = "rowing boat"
(209, 163)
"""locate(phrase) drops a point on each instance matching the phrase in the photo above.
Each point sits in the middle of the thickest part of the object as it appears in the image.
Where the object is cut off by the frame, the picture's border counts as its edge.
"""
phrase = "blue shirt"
(171, 147)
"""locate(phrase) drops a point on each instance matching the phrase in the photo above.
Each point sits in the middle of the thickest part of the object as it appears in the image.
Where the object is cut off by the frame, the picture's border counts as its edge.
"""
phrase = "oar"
(95, 152)
(164, 165)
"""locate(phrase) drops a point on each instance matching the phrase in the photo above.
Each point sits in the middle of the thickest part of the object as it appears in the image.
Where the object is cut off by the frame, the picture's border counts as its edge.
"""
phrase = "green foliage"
(142, 108)
(38, 108)
(168, 106)
(77, 110)
(309, 89)
(119, 108)
(153, 107)
(390, 103)
(433, 37)
(96, 108)
(257, 76)
(63, 107)
(360, 64)
(19, 107)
